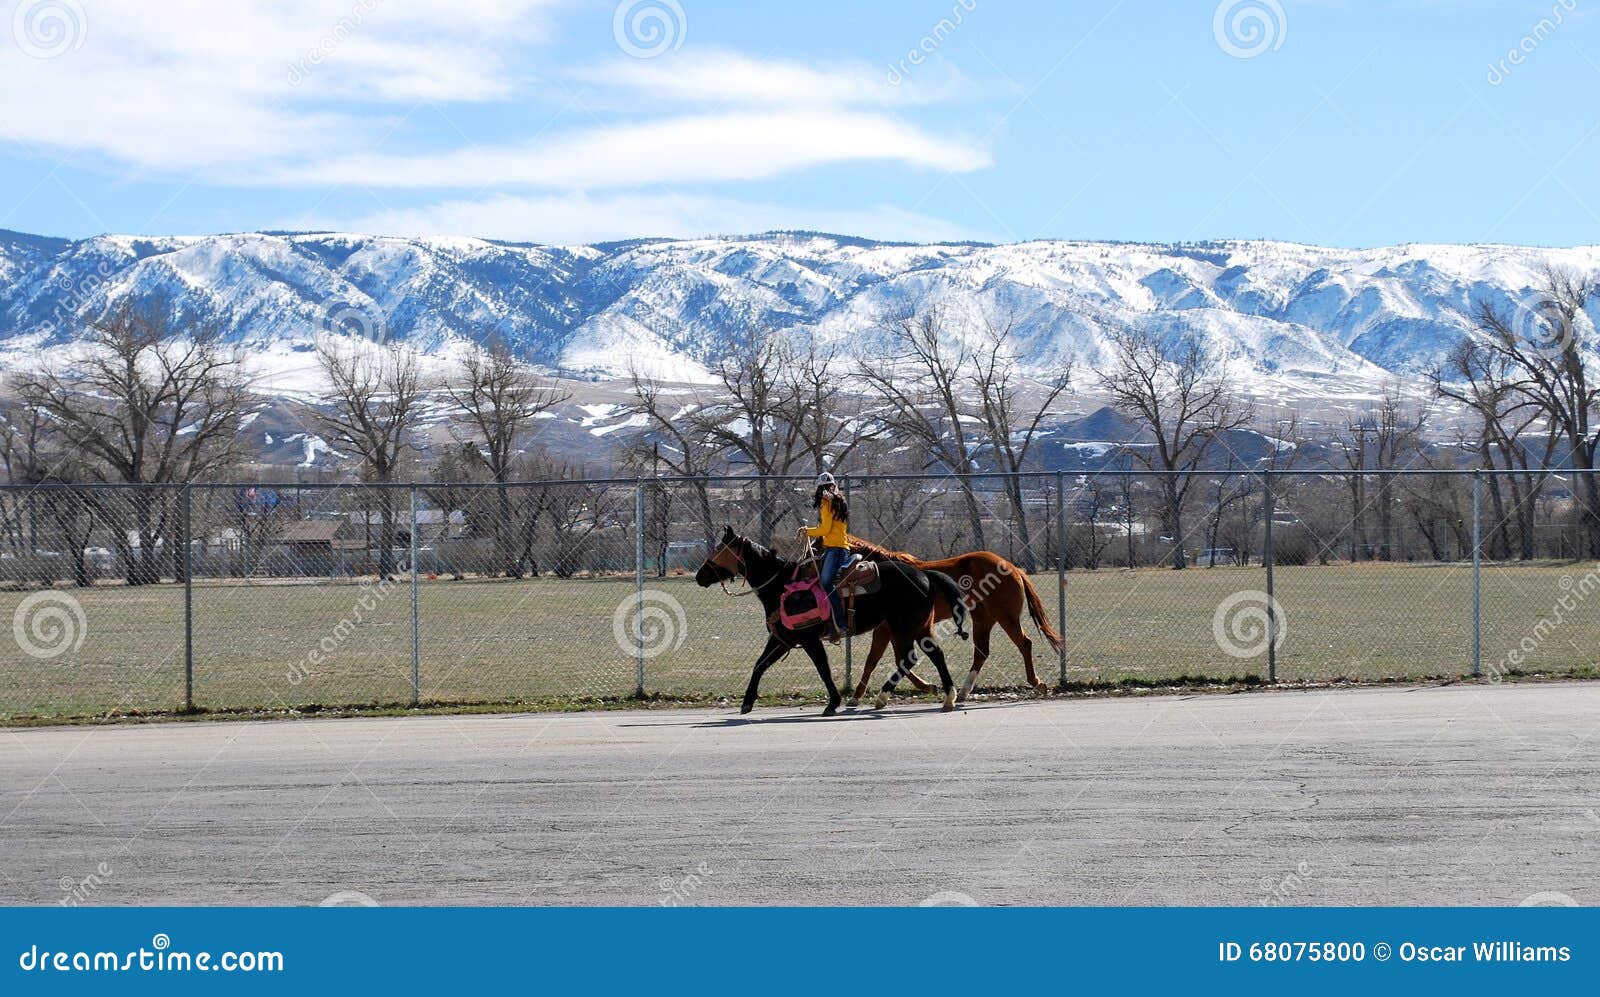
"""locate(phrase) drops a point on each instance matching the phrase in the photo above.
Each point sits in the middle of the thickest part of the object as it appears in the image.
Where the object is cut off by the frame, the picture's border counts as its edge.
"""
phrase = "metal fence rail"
(261, 595)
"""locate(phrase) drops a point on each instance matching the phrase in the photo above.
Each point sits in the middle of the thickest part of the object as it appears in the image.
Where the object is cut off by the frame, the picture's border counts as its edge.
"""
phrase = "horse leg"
(880, 640)
(819, 657)
(934, 652)
(980, 655)
(774, 650)
(1013, 628)
(905, 653)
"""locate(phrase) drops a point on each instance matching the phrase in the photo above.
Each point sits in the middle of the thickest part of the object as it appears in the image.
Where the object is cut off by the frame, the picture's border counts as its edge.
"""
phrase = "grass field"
(504, 641)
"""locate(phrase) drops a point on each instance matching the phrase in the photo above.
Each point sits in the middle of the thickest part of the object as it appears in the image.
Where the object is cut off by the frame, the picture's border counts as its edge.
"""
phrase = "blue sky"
(1340, 123)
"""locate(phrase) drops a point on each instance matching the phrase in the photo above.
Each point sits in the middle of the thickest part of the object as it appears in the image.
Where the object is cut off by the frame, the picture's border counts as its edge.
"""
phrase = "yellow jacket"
(834, 532)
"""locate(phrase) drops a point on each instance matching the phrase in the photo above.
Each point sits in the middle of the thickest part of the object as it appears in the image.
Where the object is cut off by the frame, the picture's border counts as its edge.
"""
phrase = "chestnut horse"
(995, 592)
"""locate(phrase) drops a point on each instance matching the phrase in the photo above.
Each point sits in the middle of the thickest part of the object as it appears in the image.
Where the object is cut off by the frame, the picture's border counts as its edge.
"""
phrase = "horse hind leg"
(1019, 637)
(880, 641)
(980, 655)
(905, 654)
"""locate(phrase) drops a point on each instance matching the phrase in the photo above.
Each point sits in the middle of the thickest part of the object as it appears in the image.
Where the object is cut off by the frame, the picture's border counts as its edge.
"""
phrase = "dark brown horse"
(995, 592)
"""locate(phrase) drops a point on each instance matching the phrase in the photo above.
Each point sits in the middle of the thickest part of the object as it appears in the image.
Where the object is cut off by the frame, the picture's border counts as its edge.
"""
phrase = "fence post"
(1061, 574)
(188, 599)
(1270, 559)
(849, 651)
(1477, 572)
(638, 582)
(416, 629)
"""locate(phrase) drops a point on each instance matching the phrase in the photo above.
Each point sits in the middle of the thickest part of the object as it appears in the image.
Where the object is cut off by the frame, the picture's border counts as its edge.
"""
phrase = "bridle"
(749, 589)
(743, 572)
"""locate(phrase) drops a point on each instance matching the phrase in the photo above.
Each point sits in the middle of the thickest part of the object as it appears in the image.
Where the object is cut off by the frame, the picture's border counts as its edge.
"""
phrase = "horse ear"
(727, 533)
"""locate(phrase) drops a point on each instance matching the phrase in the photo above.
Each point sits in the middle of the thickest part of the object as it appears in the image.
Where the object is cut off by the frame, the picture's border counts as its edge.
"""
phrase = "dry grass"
(509, 641)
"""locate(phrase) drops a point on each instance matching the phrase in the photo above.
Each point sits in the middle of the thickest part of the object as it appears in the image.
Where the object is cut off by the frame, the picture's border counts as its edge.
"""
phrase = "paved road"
(1435, 795)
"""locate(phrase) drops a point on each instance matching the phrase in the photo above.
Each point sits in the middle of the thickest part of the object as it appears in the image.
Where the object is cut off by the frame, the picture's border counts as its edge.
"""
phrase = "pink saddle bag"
(803, 604)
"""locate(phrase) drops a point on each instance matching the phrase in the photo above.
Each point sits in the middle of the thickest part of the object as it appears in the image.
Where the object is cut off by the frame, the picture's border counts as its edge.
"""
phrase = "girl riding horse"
(834, 532)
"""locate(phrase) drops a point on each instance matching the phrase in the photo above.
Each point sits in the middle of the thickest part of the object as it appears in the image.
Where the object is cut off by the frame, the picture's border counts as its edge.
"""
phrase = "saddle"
(861, 577)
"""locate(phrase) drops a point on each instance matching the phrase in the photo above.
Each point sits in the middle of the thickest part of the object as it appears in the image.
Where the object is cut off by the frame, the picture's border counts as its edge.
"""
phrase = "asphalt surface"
(1455, 795)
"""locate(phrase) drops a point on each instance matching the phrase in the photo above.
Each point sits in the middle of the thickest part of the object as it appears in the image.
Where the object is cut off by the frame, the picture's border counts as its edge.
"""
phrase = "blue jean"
(834, 561)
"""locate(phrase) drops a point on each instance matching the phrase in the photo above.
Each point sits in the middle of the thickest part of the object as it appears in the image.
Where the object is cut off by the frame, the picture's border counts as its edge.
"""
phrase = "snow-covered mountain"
(1287, 311)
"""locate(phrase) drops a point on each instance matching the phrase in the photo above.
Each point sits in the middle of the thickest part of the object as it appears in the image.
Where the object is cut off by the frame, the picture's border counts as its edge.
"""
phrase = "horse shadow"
(845, 715)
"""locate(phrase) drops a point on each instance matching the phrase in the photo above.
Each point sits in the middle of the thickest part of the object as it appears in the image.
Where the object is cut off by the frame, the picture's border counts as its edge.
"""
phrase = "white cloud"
(274, 93)
(715, 76)
(749, 145)
(579, 218)
(193, 85)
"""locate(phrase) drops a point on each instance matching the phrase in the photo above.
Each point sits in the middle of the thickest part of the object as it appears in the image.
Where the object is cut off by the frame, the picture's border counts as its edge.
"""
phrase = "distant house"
(320, 536)
(433, 526)
(316, 547)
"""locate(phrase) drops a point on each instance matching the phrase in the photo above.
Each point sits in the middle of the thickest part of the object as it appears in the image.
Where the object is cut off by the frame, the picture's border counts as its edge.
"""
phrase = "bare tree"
(501, 397)
(372, 411)
(1012, 422)
(65, 515)
(1379, 438)
(671, 439)
(1541, 347)
(153, 398)
(921, 382)
(577, 512)
(757, 416)
(1241, 488)
(1179, 392)
(834, 425)
(1513, 435)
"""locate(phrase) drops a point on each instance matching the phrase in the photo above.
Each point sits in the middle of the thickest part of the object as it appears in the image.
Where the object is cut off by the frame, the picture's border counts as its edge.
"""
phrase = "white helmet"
(824, 479)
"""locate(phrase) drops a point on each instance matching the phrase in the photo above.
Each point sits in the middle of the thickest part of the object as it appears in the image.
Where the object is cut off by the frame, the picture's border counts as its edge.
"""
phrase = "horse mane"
(873, 552)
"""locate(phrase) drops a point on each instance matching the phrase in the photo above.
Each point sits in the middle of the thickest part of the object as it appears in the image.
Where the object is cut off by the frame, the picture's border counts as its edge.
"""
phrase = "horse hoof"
(881, 701)
(853, 702)
(831, 710)
(1041, 689)
(961, 698)
(949, 702)
(746, 708)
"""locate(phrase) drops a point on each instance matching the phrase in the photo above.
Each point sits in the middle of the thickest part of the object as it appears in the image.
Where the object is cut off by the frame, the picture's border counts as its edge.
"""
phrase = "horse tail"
(946, 586)
(1037, 611)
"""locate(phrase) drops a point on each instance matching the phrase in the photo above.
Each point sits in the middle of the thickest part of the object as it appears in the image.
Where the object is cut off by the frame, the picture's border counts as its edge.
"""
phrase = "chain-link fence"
(144, 598)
